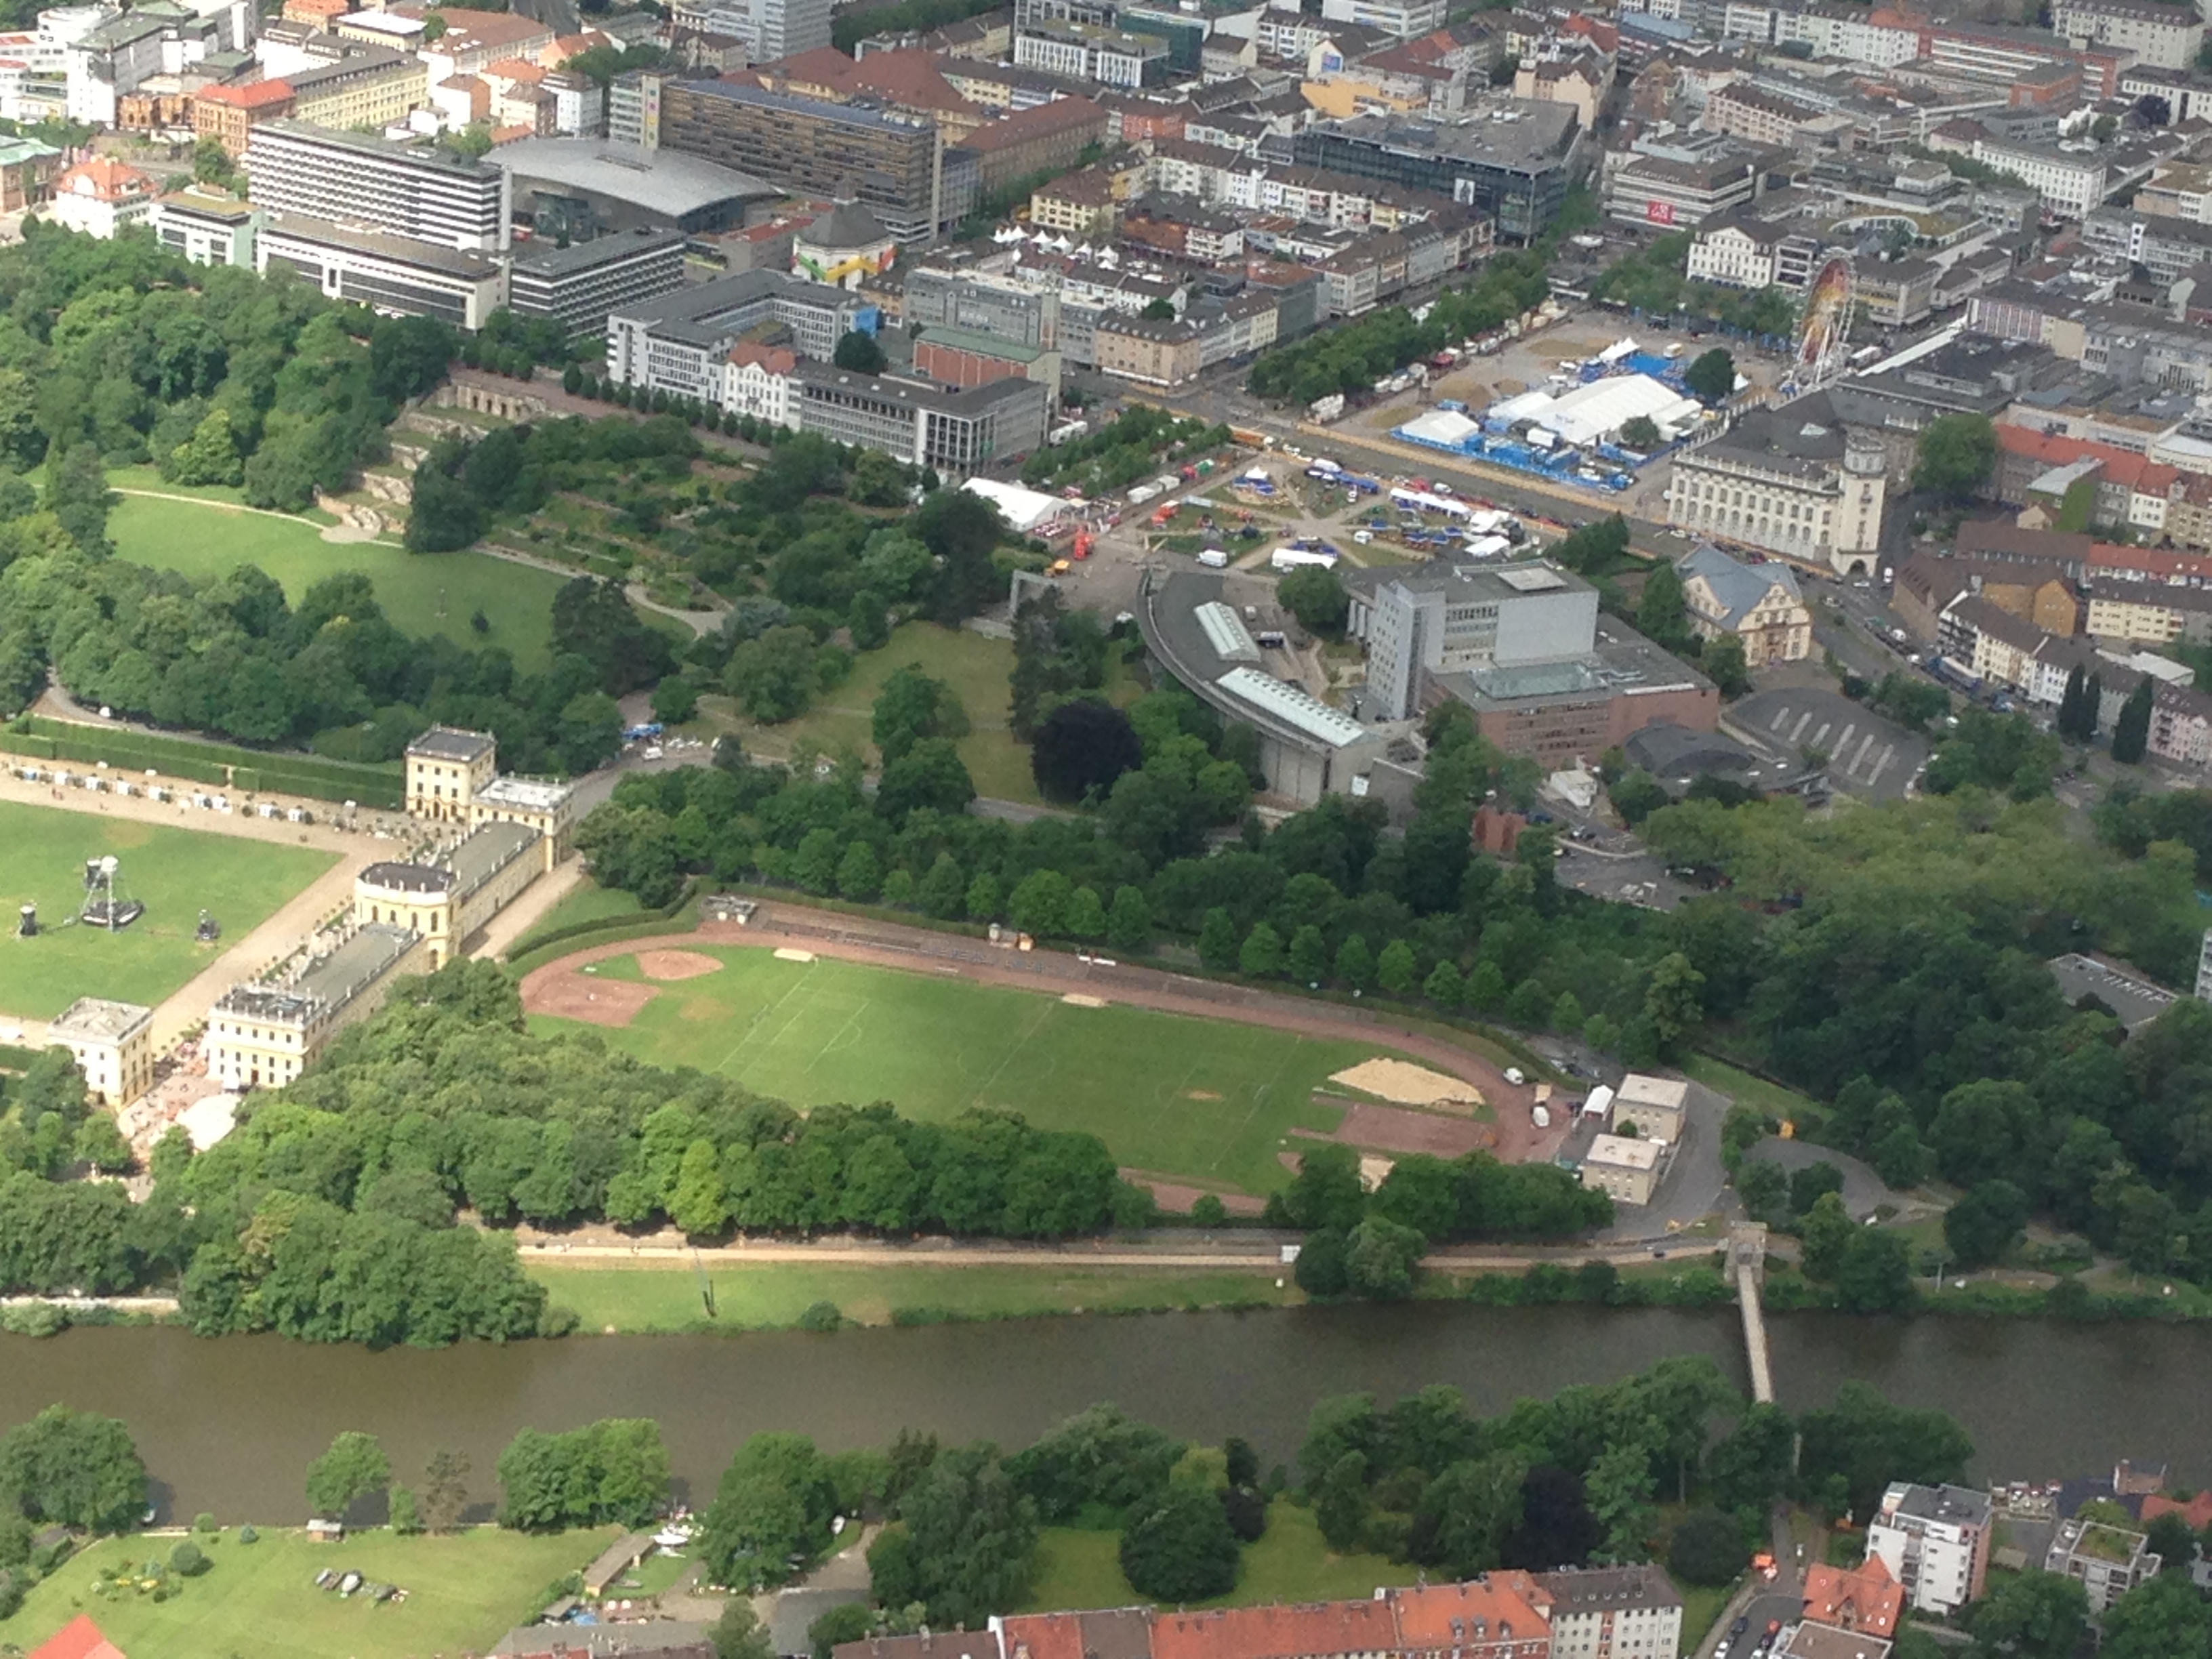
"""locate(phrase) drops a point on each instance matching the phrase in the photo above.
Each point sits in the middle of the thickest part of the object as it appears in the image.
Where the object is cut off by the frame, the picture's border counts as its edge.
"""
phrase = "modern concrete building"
(2165, 36)
(263, 1036)
(680, 342)
(1422, 620)
(406, 190)
(581, 285)
(207, 229)
(1935, 1541)
(2108, 1561)
(1515, 171)
(582, 188)
(1627, 1169)
(395, 274)
(112, 1043)
(956, 433)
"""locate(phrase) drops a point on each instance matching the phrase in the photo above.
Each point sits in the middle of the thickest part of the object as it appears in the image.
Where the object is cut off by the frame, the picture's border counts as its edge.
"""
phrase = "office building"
(1406, 19)
(2070, 182)
(400, 191)
(1421, 620)
(386, 273)
(207, 229)
(892, 163)
(1936, 1542)
(1790, 480)
(634, 108)
(757, 381)
(1516, 169)
(370, 88)
(113, 1044)
(679, 343)
(772, 30)
(956, 433)
(579, 285)
(263, 1036)
(1084, 52)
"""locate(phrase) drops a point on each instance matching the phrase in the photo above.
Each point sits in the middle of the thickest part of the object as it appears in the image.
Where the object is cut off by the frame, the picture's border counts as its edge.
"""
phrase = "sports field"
(1209, 1101)
(175, 873)
(421, 593)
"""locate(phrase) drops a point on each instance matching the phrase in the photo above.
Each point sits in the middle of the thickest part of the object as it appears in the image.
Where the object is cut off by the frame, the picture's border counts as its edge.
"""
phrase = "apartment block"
(406, 191)
(2107, 1561)
(376, 86)
(2168, 37)
(1936, 1542)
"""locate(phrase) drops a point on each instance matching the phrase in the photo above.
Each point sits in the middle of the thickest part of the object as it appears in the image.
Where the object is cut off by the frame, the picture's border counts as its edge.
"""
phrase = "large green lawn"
(668, 1296)
(174, 872)
(1207, 1100)
(428, 593)
(1291, 1562)
(259, 1600)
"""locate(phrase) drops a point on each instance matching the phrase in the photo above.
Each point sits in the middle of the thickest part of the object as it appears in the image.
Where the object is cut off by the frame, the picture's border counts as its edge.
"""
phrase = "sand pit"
(1079, 999)
(676, 965)
(1409, 1085)
(1375, 1169)
(1393, 1129)
(597, 1001)
(792, 953)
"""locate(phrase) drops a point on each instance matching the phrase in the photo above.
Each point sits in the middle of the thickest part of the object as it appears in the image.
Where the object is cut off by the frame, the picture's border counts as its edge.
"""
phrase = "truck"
(1948, 668)
(1068, 432)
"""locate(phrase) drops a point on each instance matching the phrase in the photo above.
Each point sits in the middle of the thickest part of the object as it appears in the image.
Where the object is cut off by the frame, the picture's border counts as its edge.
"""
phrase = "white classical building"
(101, 196)
(757, 381)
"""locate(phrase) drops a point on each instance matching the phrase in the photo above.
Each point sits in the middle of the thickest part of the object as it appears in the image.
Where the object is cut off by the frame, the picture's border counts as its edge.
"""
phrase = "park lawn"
(1291, 1563)
(588, 902)
(1701, 1606)
(421, 593)
(175, 873)
(660, 1296)
(259, 1601)
(1212, 1101)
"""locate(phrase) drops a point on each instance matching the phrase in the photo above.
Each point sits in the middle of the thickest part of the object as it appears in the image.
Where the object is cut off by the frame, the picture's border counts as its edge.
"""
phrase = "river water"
(230, 1425)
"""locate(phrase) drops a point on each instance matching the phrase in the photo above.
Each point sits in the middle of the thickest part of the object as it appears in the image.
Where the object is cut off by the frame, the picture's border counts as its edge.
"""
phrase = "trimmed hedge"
(538, 949)
(222, 764)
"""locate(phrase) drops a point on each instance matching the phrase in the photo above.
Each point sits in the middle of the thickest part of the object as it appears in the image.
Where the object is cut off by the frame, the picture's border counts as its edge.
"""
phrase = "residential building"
(1081, 204)
(772, 30)
(680, 343)
(2166, 247)
(1757, 114)
(1046, 138)
(1626, 1167)
(2151, 613)
(893, 163)
(1896, 293)
(1866, 1598)
(1162, 352)
(1424, 620)
(474, 40)
(1760, 605)
(1516, 172)
(2116, 486)
(1787, 480)
(579, 286)
(1500, 1615)
(394, 274)
(2155, 34)
(264, 1034)
(369, 89)
(1934, 1541)
(113, 1044)
(634, 108)
(757, 381)
(956, 433)
(1613, 1612)
(407, 191)
(102, 196)
(226, 114)
(1809, 1639)
(207, 229)
(2109, 1561)
(1408, 19)
(1927, 583)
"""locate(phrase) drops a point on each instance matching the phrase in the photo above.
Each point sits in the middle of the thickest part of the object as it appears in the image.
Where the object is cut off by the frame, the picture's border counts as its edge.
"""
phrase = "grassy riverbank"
(1079, 1568)
(661, 1297)
(259, 1601)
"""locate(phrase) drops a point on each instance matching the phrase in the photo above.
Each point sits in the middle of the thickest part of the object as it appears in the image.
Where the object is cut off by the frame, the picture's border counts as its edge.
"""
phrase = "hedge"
(538, 949)
(222, 764)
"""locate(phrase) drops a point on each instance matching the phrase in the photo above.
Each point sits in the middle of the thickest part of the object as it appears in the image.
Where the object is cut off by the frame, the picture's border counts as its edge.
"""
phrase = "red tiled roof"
(1043, 1636)
(1496, 1607)
(908, 77)
(256, 94)
(80, 1638)
(2137, 472)
(776, 361)
(105, 180)
(2146, 561)
(1866, 1598)
(2197, 1511)
(1315, 1630)
(1054, 117)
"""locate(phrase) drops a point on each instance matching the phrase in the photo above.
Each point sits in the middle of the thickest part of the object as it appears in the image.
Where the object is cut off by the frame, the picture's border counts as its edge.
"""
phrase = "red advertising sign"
(1659, 213)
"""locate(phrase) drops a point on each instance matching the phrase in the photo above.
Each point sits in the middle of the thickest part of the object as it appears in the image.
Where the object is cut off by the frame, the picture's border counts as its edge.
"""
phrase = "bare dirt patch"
(676, 965)
(1175, 1197)
(1394, 1129)
(596, 1001)
(1200, 1094)
(1408, 1084)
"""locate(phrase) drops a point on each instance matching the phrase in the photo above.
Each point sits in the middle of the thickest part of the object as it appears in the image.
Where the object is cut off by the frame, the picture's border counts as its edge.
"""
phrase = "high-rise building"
(1417, 621)
(1935, 1541)
(392, 190)
(893, 162)
(771, 29)
(679, 343)
(579, 285)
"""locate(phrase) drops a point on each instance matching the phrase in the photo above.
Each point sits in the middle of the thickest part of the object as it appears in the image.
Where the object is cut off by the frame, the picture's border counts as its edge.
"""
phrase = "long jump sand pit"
(598, 1001)
(1393, 1129)
(676, 965)
(1404, 1084)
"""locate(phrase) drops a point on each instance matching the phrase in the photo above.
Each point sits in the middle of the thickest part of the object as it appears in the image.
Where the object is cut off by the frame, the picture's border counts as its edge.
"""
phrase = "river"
(230, 1425)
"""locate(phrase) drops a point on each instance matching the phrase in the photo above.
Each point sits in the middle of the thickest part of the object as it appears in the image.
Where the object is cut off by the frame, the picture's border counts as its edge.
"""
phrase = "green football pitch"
(175, 873)
(1207, 1101)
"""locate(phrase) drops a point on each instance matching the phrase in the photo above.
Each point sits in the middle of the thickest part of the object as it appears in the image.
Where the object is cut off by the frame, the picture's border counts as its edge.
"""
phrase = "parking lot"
(1868, 755)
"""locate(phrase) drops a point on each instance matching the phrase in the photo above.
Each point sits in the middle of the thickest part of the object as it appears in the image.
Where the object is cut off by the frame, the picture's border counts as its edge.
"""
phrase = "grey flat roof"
(1535, 133)
(400, 250)
(663, 181)
(843, 114)
(421, 156)
(487, 850)
(1494, 582)
(98, 1019)
(452, 742)
(336, 979)
(551, 260)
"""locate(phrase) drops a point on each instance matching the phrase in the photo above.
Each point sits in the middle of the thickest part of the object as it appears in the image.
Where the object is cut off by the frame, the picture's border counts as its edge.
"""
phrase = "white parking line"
(1797, 731)
(1881, 764)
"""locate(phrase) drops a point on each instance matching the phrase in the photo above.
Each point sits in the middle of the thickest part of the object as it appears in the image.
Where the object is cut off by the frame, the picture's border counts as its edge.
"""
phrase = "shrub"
(189, 1560)
(204, 1522)
(246, 1534)
(821, 1316)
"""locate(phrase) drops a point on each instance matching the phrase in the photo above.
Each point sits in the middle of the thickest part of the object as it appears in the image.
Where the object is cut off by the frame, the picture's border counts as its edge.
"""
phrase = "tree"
(1875, 1273)
(1640, 433)
(1618, 1490)
(965, 1544)
(354, 1467)
(1827, 1233)
(1711, 376)
(1217, 941)
(1355, 963)
(1955, 456)
(1444, 985)
(2165, 1619)
(1867, 1443)
(1081, 748)
(1129, 923)
(1394, 968)
(77, 495)
(1319, 1267)
(211, 162)
(2131, 731)
(1751, 1465)
(2168, 1537)
(2071, 706)
(930, 775)
(1660, 612)
(1707, 1548)
(1341, 1503)
(211, 455)
(1466, 1513)
(1158, 311)
(2031, 1615)
(740, 1634)
(1316, 597)
(960, 528)
(772, 1506)
(1981, 1226)
(1724, 664)
(78, 1469)
(1183, 1549)
(1382, 1260)
(774, 675)
(1673, 1004)
(913, 705)
(1262, 954)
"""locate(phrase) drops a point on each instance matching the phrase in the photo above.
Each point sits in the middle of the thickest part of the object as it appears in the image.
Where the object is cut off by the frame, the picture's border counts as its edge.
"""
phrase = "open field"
(975, 667)
(1210, 1101)
(259, 1601)
(174, 872)
(1291, 1563)
(428, 593)
(664, 1296)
